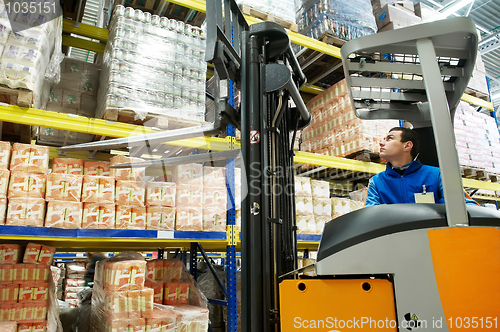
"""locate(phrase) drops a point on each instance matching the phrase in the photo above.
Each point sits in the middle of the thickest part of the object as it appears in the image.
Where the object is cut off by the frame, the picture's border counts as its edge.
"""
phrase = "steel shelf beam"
(85, 30)
(83, 44)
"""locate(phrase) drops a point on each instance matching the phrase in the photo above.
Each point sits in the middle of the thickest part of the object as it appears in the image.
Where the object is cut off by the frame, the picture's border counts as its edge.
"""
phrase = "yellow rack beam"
(486, 198)
(336, 162)
(83, 44)
(85, 30)
(34, 117)
(476, 184)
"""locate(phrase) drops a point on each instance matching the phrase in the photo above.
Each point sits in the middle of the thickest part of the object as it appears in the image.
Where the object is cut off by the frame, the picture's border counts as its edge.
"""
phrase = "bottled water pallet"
(257, 13)
(21, 98)
(124, 115)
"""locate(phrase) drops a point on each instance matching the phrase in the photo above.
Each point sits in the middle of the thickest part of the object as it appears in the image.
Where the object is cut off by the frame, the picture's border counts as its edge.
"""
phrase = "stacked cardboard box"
(336, 131)
(76, 93)
(478, 81)
(122, 301)
(24, 287)
(26, 193)
(394, 14)
(477, 139)
(74, 282)
(312, 204)
(90, 195)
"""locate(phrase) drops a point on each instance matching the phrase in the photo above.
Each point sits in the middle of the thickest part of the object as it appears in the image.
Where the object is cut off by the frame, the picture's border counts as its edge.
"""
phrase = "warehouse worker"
(405, 180)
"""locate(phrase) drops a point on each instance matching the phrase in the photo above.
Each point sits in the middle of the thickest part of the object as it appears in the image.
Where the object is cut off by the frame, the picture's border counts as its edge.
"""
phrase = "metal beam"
(489, 44)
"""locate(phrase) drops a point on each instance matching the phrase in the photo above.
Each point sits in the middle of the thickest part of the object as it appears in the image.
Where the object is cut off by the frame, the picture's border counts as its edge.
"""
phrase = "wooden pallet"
(477, 94)
(151, 120)
(257, 13)
(22, 98)
(364, 155)
(479, 174)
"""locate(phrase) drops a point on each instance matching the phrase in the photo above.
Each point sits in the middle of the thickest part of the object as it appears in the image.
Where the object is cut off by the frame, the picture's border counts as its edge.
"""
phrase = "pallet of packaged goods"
(28, 301)
(76, 94)
(29, 48)
(478, 94)
(336, 131)
(140, 47)
(478, 143)
(266, 16)
(91, 195)
(133, 294)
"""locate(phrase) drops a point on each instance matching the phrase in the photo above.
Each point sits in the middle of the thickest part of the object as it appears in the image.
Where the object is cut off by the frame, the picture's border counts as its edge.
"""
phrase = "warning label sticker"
(254, 137)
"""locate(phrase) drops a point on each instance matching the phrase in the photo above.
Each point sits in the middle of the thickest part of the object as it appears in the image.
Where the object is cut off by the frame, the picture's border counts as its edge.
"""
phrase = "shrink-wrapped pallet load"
(67, 166)
(125, 299)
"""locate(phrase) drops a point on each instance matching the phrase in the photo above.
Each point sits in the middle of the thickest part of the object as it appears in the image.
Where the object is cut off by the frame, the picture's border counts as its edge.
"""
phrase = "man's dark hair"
(408, 135)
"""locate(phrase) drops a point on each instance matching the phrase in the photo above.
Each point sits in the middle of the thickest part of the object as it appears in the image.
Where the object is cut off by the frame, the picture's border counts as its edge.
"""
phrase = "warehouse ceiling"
(486, 14)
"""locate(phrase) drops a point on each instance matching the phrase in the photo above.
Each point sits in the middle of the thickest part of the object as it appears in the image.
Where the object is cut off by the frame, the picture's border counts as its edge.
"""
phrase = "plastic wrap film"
(124, 299)
(211, 289)
(129, 192)
(96, 168)
(160, 217)
(336, 131)
(31, 53)
(98, 216)
(477, 139)
(76, 93)
(136, 173)
(98, 189)
(160, 193)
(284, 9)
(141, 46)
(67, 166)
(64, 214)
(27, 290)
(343, 19)
(130, 217)
(64, 187)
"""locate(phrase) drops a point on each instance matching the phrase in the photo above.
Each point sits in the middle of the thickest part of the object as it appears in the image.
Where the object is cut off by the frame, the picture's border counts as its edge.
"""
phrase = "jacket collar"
(413, 167)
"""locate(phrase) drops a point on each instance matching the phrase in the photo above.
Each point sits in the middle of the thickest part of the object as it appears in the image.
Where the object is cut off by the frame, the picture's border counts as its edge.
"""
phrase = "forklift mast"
(260, 63)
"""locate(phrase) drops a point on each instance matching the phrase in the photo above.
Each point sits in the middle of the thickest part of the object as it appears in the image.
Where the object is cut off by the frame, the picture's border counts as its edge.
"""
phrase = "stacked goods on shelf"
(312, 205)
(336, 131)
(74, 282)
(391, 14)
(283, 9)
(141, 46)
(322, 205)
(477, 139)
(478, 82)
(59, 275)
(30, 44)
(122, 300)
(427, 13)
(63, 193)
(26, 193)
(27, 297)
(341, 206)
(76, 93)
(345, 20)
(90, 195)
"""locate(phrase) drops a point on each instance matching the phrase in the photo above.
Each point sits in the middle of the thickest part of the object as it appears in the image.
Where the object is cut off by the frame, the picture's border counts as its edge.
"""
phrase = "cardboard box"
(126, 173)
(98, 216)
(29, 158)
(98, 189)
(96, 168)
(25, 212)
(130, 217)
(67, 166)
(46, 255)
(188, 195)
(215, 198)
(27, 185)
(64, 187)
(32, 253)
(189, 219)
(5, 152)
(214, 219)
(129, 192)
(427, 13)
(403, 4)
(71, 99)
(160, 218)
(160, 193)
(10, 253)
(64, 214)
(396, 15)
(188, 174)
(214, 177)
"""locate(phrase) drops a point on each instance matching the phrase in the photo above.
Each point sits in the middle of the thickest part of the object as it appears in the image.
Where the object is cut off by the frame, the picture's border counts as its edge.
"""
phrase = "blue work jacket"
(389, 187)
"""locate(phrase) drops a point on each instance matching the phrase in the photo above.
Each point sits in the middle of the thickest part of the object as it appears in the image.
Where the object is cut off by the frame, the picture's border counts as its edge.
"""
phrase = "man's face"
(391, 146)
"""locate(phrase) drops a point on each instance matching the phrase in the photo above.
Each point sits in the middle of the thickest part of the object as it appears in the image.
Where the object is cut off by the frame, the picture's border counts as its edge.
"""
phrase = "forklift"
(397, 267)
